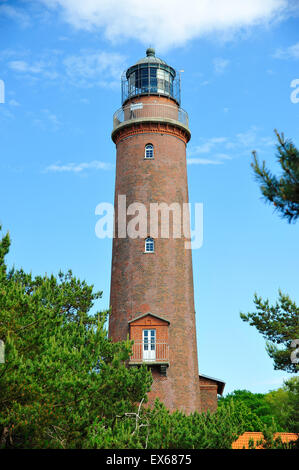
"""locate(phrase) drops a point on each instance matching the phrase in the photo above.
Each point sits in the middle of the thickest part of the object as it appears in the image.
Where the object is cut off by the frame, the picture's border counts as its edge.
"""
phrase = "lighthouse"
(152, 297)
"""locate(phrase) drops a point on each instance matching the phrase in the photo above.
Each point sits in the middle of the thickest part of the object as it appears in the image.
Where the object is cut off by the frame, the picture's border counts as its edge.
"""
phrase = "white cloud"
(218, 149)
(203, 161)
(207, 146)
(45, 120)
(223, 156)
(13, 103)
(248, 138)
(52, 118)
(95, 68)
(79, 167)
(24, 67)
(85, 69)
(168, 23)
(217, 159)
(5, 113)
(220, 65)
(291, 52)
(15, 14)
(268, 141)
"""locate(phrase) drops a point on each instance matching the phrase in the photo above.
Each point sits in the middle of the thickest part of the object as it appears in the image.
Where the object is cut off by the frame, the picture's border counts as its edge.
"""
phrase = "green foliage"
(259, 409)
(282, 192)
(279, 324)
(61, 372)
(270, 441)
(284, 405)
(65, 385)
(275, 411)
(157, 428)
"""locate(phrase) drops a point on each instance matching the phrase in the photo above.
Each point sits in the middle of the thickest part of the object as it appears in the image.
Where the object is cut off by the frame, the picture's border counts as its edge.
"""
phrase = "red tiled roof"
(243, 441)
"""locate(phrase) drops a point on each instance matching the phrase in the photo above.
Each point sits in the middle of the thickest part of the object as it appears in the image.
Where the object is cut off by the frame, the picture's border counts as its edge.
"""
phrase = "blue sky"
(61, 61)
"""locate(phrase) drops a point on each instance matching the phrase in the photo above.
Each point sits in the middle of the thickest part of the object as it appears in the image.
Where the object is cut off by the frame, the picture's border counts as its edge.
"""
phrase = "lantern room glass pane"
(150, 79)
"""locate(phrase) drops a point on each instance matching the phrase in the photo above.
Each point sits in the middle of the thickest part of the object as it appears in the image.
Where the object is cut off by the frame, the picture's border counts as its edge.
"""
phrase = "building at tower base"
(210, 388)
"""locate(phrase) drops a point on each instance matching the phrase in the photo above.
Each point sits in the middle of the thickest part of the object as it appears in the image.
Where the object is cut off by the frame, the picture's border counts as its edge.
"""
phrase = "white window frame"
(149, 242)
(149, 152)
(149, 344)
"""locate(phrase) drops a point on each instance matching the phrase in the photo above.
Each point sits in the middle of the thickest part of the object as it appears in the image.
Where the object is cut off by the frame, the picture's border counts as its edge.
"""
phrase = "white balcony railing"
(150, 110)
(159, 353)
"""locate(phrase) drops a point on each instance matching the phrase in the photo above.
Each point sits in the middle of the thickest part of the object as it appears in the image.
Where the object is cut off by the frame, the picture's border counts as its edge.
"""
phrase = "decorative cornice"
(151, 125)
(146, 314)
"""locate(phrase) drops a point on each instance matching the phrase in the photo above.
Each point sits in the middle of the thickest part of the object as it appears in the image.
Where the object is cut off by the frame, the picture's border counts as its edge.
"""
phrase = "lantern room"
(151, 76)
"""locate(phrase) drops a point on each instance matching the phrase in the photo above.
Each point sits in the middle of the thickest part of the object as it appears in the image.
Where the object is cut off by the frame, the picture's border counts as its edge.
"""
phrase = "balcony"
(150, 111)
(150, 353)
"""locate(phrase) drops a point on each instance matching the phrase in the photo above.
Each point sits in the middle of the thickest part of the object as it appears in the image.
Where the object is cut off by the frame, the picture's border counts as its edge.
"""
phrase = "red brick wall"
(208, 394)
(162, 341)
(160, 282)
(148, 321)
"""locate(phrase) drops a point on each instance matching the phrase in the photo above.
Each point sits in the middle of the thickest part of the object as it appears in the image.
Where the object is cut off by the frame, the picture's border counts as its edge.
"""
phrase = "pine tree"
(257, 405)
(61, 372)
(157, 428)
(282, 192)
(279, 324)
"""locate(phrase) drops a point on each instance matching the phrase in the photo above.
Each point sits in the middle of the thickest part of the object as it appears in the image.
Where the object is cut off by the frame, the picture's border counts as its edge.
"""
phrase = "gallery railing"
(139, 110)
(160, 352)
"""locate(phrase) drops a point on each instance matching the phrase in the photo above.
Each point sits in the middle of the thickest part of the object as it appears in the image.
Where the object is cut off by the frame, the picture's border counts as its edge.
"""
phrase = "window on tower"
(149, 151)
(149, 245)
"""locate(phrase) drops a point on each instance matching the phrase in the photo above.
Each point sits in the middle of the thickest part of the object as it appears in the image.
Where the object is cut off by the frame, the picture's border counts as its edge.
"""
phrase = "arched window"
(149, 151)
(149, 245)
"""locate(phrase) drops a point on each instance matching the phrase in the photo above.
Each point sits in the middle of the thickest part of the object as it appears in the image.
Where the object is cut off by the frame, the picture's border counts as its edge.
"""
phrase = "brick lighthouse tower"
(152, 299)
